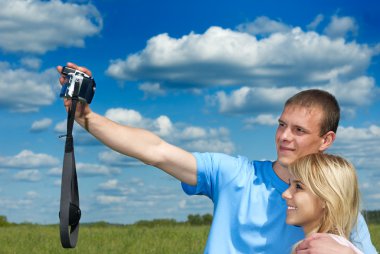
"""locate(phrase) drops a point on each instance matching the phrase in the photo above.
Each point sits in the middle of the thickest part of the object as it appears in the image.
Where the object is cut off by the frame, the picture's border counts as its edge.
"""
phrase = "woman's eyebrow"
(298, 181)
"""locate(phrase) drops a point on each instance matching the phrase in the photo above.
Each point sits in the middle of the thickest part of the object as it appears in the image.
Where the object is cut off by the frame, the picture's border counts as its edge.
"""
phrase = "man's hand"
(82, 108)
(322, 243)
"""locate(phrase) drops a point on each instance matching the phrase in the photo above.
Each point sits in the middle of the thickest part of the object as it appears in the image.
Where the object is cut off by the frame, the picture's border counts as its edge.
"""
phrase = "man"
(249, 213)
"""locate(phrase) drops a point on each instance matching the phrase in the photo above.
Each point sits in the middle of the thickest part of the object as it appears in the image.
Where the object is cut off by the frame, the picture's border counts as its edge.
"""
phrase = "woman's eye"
(298, 186)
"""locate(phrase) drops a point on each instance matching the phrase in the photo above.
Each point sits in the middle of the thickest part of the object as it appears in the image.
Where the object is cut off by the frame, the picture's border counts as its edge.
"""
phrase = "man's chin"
(284, 162)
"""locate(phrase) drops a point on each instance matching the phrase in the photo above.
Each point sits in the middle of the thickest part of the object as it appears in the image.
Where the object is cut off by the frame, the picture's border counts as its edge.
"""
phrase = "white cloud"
(339, 27)
(112, 184)
(26, 91)
(31, 62)
(55, 171)
(113, 158)
(152, 89)
(37, 26)
(250, 99)
(163, 126)
(30, 175)
(351, 134)
(350, 94)
(193, 133)
(210, 145)
(313, 25)
(189, 137)
(41, 125)
(57, 183)
(12, 204)
(109, 199)
(375, 196)
(113, 187)
(182, 204)
(81, 136)
(263, 26)
(87, 169)
(125, 116)
(32, 194)
(262, 119)
(360, 145)
(356, 92)
(27, 159)
(61, 127)
(267, 69)
(222, 57)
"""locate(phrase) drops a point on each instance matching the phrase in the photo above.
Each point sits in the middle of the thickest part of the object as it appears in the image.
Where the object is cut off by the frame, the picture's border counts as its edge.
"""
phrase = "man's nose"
(286, 134)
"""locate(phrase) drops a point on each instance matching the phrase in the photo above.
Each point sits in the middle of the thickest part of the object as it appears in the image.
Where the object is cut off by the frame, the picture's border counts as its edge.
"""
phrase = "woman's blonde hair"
(333, 179)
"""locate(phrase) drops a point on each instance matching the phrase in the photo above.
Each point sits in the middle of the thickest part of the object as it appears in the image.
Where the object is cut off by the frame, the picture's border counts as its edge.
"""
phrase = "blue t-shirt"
(249, 212)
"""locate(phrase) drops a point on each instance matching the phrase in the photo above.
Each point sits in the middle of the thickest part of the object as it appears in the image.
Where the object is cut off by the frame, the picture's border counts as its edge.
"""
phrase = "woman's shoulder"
(344, 241)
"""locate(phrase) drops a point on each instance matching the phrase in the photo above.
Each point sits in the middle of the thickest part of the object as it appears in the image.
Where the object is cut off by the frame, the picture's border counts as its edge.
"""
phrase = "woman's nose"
(287, 194)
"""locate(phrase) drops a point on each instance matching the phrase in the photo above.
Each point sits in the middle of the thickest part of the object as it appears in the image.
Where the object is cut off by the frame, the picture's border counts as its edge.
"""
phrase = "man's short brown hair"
(323, 100)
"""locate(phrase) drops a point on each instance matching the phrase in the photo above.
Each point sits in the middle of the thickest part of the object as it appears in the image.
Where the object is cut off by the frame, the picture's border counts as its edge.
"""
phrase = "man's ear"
(327, 140)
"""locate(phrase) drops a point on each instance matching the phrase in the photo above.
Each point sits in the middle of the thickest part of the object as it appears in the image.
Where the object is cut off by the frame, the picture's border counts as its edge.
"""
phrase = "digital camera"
(86, 85)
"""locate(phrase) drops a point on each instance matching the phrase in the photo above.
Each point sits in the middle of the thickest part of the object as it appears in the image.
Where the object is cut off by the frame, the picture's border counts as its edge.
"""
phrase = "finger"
(71, 65)
(310, 241)
(59, 68)
(67, 102)
(62, 80)
(304, 245)
(67, 106)
(79, 68)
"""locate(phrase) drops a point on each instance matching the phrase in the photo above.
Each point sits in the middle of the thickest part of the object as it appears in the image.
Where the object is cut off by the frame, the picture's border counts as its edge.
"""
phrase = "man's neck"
(281, 171)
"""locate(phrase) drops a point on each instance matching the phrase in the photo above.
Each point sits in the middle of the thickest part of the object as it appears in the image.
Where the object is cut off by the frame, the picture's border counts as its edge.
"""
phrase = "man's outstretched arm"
(136, 142)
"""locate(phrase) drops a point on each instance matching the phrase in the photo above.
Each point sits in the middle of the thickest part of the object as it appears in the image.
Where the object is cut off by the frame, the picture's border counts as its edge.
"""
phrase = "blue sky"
(204, 75)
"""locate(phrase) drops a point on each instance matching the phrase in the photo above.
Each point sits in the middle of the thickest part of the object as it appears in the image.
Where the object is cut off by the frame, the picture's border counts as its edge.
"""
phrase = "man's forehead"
(306, 117)
(311, 111)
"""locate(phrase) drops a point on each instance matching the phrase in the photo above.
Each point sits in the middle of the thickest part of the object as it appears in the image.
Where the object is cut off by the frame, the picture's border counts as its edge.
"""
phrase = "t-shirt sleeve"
(213, 171)
(361, 238)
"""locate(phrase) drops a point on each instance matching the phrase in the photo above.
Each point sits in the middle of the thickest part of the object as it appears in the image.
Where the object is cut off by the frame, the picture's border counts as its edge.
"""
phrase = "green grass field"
(31, 239)
(375, 235)
(165, 239)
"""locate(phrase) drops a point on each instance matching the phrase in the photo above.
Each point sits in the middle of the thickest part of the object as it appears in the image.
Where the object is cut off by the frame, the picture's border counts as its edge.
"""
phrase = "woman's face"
(305, 209)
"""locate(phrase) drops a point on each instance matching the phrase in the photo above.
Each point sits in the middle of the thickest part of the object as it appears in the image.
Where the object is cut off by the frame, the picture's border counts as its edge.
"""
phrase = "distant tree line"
(192, 219)
(372, 217)
(4, 222)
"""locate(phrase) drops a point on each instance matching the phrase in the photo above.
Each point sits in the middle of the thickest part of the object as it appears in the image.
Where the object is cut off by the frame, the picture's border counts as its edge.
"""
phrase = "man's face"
(298, 133)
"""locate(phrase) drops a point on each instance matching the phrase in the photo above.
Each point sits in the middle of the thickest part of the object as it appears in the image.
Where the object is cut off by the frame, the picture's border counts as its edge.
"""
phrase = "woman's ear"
(327, 140)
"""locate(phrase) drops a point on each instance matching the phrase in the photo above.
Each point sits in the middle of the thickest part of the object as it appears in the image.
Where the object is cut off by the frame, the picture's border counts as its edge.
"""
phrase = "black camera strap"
(70, 212)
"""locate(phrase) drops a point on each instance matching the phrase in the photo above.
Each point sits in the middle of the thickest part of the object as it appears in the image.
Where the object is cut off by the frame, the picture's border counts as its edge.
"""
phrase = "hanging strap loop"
(70, 212)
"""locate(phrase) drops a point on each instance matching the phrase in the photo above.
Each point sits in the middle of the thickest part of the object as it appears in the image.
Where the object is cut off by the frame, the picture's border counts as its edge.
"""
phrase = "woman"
(323, 196)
